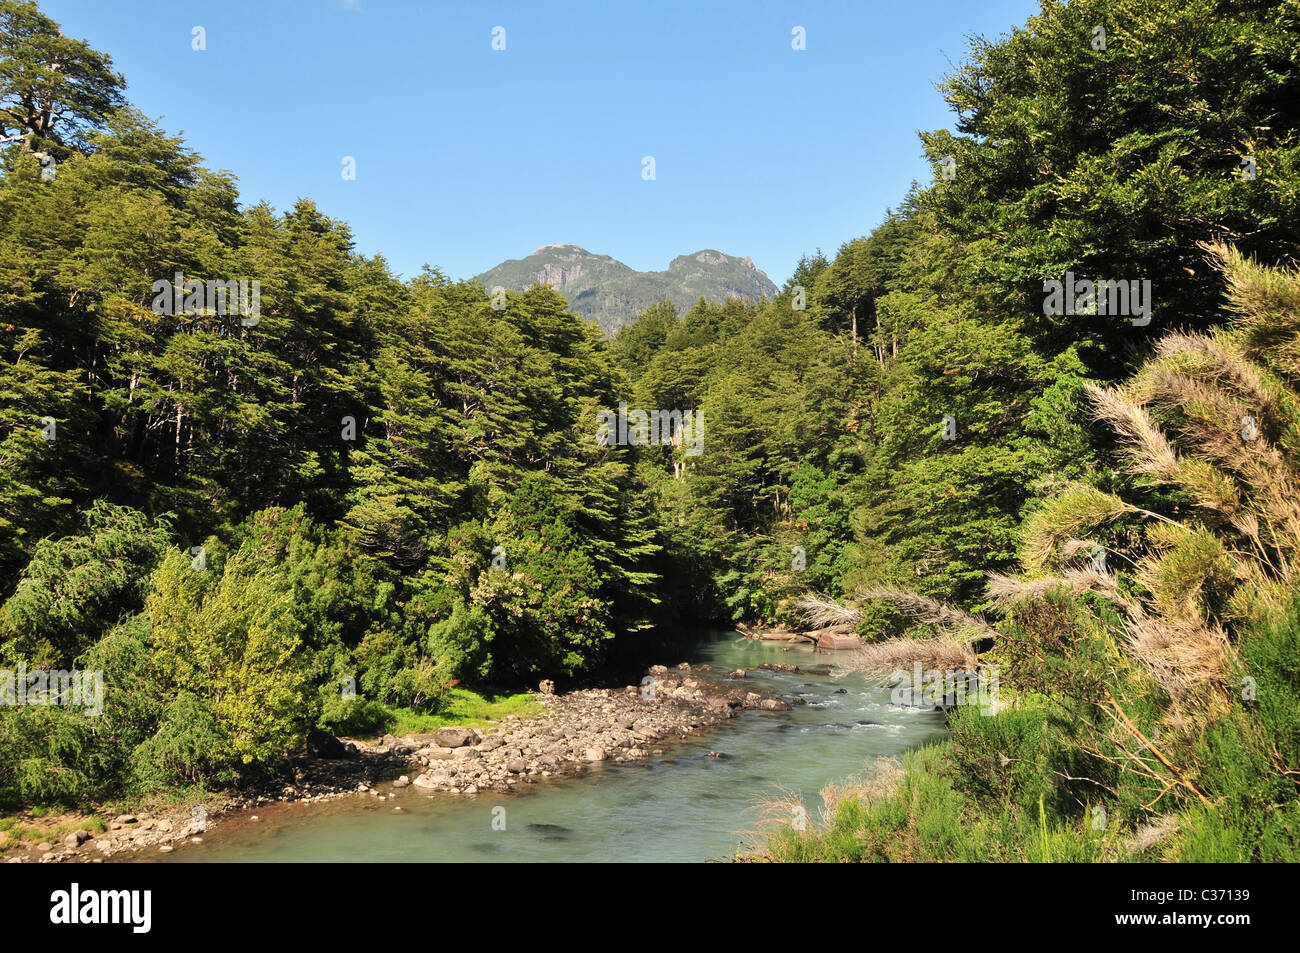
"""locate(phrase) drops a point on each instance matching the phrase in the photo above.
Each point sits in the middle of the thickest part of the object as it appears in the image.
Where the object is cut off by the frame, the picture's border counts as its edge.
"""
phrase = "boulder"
(425, 781)
(491, 743)
(773, 704)
(434, 753)
(516, 766)
(839, 641)
(401, 782)
(455, 737)
(736, 673)
(321, 744)
(594, 754)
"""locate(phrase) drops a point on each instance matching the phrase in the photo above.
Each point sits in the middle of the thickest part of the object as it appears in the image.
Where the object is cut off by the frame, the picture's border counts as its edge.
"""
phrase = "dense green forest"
(398, 485)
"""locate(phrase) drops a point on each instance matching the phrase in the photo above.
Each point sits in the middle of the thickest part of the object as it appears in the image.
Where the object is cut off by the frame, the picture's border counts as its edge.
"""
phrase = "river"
(684, 806)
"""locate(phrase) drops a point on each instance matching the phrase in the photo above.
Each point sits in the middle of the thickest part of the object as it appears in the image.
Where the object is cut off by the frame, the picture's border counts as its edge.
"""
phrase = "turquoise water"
(684, 806)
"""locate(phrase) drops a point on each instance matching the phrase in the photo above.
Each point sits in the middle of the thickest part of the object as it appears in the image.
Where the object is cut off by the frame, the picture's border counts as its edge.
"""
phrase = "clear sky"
(466, 156)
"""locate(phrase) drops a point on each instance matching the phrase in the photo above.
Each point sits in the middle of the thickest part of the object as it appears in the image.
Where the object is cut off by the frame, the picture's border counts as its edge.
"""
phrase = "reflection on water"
(689, 807)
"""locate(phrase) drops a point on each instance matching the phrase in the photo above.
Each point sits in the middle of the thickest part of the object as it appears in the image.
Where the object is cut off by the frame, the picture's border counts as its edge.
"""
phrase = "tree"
(52, 88)
(76, 588)
(225, 643)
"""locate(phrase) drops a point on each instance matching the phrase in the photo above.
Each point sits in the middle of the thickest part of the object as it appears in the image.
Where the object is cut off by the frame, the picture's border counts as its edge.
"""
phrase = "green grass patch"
(17, 834)
(463, 706)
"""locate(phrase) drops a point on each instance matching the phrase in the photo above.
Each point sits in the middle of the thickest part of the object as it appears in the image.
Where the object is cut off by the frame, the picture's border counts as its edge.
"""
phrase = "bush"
(190, 745)
(75, 588)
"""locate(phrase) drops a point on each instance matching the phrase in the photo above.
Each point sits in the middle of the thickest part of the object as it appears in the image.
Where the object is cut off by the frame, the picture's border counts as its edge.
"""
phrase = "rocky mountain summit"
(612, 294)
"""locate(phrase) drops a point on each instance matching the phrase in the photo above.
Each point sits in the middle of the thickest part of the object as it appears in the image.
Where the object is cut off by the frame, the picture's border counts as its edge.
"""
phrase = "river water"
(683, 806)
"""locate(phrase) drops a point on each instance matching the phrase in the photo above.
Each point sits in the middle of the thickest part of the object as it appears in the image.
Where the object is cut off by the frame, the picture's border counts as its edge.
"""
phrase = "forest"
(378, 490)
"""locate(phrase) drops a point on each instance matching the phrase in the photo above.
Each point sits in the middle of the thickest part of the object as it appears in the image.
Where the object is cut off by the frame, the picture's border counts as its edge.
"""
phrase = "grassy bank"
(464, 706)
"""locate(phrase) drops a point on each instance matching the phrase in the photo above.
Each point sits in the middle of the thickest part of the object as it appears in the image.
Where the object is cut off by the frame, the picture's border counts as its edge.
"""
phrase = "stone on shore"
(839, 641)
(455, 737)
(321, 744)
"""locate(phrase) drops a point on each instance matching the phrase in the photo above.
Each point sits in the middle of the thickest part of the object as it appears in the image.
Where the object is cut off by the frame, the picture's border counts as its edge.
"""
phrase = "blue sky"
(466, 156)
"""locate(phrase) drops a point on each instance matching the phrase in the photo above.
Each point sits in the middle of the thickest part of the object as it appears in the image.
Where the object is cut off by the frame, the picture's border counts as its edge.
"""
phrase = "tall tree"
(52, 88)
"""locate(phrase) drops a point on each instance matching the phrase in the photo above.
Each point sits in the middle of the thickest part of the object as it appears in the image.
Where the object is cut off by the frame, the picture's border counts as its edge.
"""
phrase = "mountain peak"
(710, 256)
(572, 248)
(613, 294)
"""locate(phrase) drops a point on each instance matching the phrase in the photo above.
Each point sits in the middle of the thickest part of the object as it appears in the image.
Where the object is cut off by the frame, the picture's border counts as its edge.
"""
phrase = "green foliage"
(52, 87)
(74, 589)
(228, 641)
(51, 755)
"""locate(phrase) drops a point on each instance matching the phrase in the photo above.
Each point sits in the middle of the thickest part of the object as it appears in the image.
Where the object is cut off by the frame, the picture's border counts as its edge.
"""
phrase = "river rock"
(773, 704)
(594, 754)
(401, 782)
(516, 766)
(491, 743)
(321, 744)
(839, 641)
(425, 781)
(455, 737)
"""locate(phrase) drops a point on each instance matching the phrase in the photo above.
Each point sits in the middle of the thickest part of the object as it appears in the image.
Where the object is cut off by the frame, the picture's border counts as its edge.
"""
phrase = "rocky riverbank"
(578, 729)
